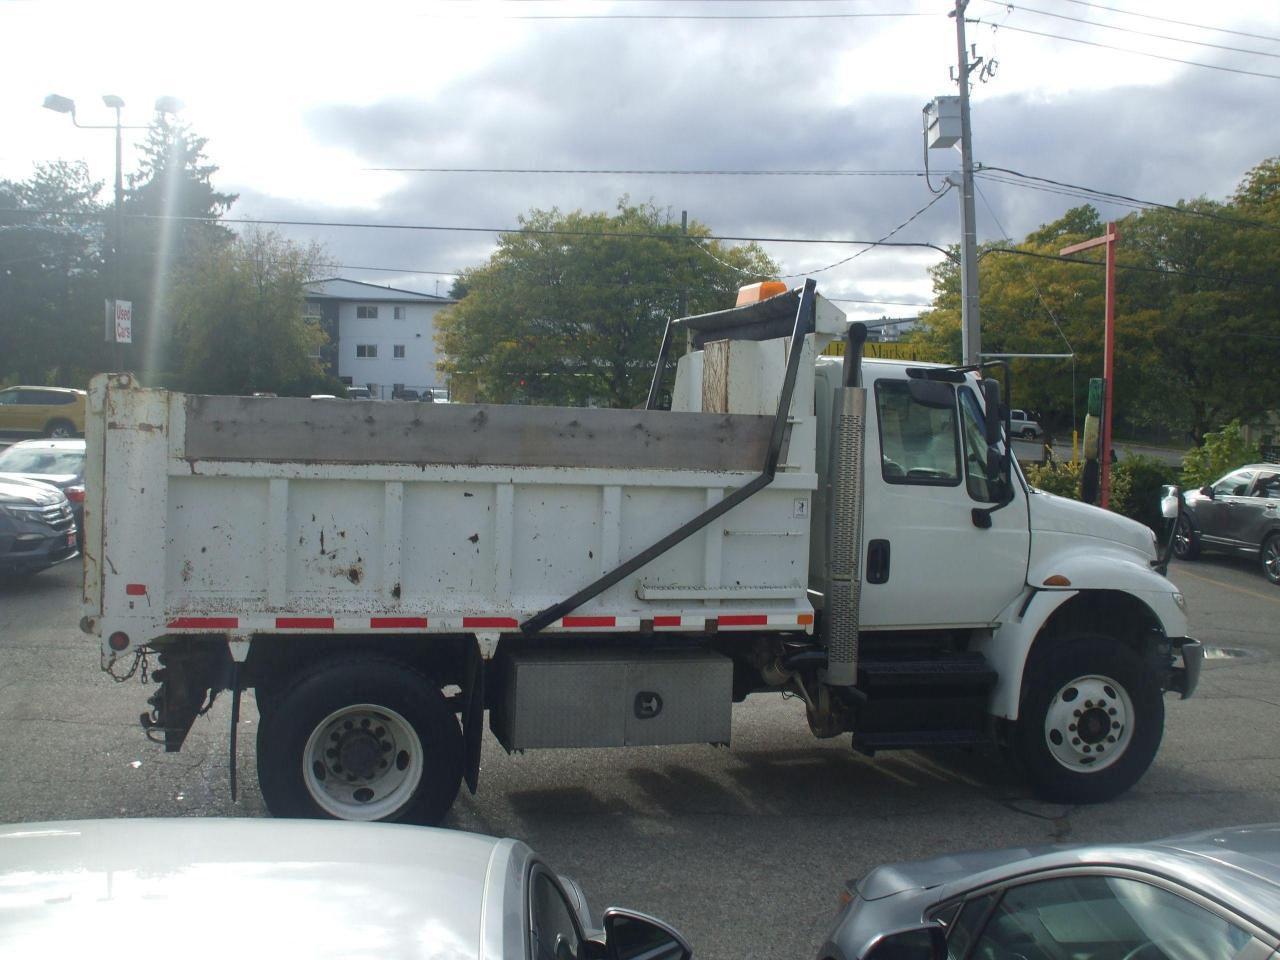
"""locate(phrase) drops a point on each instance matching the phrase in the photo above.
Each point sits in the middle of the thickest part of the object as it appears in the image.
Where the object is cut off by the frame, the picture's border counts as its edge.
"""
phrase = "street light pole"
(66, 105)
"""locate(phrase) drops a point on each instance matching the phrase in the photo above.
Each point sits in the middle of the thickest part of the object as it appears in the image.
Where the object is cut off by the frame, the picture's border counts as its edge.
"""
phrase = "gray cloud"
(587, 97)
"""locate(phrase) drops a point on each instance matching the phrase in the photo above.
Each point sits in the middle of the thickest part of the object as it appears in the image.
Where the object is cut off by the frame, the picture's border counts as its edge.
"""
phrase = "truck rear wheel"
(360, 739)
(1091, 720)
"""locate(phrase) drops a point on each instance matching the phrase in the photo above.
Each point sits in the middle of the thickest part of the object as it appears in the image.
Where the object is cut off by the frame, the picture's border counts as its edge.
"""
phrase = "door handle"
(878, 561)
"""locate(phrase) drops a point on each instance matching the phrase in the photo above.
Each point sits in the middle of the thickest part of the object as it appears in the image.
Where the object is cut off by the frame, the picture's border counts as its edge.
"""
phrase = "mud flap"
(473, 717)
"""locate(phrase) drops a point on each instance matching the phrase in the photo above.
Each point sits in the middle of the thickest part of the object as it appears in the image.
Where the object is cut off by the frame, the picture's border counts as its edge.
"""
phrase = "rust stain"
(395, 591)
(322, 550)
(187, 567)
(474, 538)
(354, 574)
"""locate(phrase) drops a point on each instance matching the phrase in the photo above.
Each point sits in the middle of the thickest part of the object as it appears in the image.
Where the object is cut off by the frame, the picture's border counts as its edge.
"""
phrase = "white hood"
(1053, 514)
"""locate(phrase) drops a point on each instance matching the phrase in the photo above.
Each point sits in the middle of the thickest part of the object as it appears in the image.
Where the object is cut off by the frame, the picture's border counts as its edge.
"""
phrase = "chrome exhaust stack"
(844, 515)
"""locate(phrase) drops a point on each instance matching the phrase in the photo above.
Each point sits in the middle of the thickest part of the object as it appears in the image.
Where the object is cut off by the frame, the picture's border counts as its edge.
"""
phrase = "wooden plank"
(715, 377)
(344, 431)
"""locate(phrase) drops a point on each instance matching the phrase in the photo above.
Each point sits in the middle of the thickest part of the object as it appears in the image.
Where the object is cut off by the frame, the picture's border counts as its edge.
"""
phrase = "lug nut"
(1115, 726)
(1112, 711)
(1075, 741)
(1111, 739)
(1071, 727)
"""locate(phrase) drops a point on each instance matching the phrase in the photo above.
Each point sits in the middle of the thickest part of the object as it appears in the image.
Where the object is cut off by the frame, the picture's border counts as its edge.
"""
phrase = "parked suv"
(37, 529)
(1023, 423)
(47, 411)
(1239, 513)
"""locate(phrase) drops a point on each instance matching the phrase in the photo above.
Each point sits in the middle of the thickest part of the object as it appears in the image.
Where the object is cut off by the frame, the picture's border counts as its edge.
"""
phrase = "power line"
(904, 223)
(1139, 53)
(663, 173)
(526, 231)
(702, 16)
(1131, 201)
(1136, 268)
(1142, 33)
(1181, 23)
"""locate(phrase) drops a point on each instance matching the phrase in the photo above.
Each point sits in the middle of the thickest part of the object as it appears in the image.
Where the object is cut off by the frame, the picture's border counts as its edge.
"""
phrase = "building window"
(397, 351)
(312, 311)
(398, 312)
(366, 312)
(367, 351)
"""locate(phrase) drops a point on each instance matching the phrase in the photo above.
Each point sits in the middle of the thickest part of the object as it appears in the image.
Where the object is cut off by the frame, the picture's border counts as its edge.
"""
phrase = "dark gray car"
(59, 463)
(1206, 896)
(1239, 513)
(37, 529)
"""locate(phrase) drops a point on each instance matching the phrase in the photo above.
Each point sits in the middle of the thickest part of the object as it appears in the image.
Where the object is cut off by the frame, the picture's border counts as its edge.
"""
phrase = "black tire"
(59, 429)
(1186, 542)
(1028, 434)
(294, 729)
(1270, 556)
(1129, 707)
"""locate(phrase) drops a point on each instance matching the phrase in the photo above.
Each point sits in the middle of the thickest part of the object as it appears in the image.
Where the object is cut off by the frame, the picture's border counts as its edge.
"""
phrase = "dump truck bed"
(247, 515)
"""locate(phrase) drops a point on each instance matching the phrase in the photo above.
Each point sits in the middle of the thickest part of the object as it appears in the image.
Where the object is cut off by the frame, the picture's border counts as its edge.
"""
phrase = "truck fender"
(1007, 646)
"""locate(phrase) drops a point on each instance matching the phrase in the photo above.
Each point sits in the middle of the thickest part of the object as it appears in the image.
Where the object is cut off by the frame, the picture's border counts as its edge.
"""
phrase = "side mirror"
(1207, 491)
(1170, 498)
(991, 401)
(917, 943)
(633, 936)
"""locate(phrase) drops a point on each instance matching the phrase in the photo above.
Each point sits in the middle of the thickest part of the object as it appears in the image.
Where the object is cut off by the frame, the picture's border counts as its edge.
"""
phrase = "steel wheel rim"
(1182, 537)
(60, 433)
(1089, 723)
(1271, 559)
(362, 762)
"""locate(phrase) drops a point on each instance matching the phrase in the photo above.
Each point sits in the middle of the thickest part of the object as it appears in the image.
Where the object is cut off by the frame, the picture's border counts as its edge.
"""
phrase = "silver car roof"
(257, 888)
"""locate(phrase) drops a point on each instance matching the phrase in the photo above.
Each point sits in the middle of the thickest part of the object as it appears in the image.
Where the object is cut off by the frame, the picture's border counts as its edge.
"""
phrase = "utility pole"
(970, 327)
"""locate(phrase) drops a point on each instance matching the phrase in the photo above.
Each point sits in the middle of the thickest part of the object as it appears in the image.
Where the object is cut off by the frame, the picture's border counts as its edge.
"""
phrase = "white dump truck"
(850, 531)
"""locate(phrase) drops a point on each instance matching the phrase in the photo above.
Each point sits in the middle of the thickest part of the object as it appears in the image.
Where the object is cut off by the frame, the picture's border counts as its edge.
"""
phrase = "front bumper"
(1185, 678)
(29, 552)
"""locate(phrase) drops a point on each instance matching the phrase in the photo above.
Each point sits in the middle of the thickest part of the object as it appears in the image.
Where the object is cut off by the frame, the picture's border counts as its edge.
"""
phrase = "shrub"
(1141, 479)
(1221, 452)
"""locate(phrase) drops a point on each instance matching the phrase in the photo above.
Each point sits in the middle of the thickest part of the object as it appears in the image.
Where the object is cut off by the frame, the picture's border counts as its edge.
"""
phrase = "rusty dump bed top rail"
(338, 431)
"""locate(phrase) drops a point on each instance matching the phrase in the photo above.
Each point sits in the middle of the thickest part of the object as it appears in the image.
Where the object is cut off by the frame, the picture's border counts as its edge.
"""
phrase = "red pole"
(1108, 368)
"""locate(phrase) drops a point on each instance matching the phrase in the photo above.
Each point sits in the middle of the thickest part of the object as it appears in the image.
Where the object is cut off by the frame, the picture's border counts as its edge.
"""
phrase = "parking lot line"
(1228, 586)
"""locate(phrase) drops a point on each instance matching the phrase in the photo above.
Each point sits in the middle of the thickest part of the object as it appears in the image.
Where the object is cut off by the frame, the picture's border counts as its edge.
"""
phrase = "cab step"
(869, 743)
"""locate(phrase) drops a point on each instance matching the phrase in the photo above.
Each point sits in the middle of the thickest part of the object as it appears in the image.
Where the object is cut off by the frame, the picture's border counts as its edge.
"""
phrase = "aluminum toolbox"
(614, 698)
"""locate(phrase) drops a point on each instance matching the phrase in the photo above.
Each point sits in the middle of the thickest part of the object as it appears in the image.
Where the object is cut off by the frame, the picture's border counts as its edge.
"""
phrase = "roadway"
(744, 849)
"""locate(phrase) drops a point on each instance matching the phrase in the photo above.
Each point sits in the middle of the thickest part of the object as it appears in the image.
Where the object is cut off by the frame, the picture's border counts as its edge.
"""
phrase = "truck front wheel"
(1091, 720)
(360, 739)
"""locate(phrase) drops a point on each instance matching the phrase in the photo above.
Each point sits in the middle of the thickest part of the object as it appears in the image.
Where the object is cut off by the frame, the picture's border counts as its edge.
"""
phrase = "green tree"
(576, 315)
(51, 313)
(241, 327)
(1222, 450)
(174, 178)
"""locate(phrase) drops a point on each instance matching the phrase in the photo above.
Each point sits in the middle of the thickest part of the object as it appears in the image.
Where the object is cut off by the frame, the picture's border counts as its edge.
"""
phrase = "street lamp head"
(112, 101)
(60, 104)
(168, 104)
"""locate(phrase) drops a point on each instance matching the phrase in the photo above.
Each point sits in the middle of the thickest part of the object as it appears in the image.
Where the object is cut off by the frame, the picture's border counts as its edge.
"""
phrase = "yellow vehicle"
(49, 411)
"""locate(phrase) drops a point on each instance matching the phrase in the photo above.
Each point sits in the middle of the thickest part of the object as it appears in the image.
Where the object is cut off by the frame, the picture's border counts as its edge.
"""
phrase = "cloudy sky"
(299, 102)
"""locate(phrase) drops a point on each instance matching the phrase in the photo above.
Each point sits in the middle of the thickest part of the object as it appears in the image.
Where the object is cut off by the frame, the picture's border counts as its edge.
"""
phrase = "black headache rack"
(793, 314)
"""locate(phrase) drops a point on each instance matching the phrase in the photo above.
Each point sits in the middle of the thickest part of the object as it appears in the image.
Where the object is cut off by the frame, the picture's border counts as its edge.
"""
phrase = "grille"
(57, 516)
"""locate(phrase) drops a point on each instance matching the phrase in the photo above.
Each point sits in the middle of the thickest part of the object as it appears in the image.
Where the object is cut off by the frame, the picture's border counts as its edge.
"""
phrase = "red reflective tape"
(489, 623)
(205, 623)
(666, 621)
(136, 589)
(304, 623)
(590, 621)
(408, 623)
(744, 620)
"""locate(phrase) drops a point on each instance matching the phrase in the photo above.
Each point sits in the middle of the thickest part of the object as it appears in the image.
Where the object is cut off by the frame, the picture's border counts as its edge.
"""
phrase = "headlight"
(1181, 601)
(21, 511)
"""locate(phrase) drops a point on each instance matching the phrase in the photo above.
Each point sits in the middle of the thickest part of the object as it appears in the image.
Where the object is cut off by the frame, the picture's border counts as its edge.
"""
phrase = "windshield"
(47, 461)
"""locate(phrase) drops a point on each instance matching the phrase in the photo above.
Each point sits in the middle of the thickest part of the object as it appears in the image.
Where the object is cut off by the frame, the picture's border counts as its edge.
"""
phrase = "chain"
(140, 661)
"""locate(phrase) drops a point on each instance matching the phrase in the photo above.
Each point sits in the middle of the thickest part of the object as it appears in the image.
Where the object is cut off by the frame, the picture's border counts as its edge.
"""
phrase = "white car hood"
(1053, 514)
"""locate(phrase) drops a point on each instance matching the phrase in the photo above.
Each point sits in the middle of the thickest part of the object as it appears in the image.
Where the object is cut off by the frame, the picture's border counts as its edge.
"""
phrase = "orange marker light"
(755, 292)
(1057, 580)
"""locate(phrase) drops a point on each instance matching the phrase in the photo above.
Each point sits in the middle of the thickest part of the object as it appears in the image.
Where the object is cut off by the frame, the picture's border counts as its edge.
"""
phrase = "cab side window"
(1268, 486)
(918, 444)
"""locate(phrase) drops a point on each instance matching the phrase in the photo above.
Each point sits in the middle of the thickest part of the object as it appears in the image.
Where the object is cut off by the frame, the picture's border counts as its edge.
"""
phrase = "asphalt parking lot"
(743, 849)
